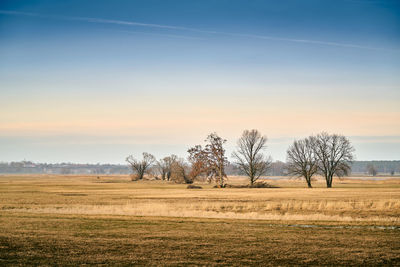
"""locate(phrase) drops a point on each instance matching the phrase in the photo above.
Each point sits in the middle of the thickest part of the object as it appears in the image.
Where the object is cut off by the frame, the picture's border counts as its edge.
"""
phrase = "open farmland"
(111, 220)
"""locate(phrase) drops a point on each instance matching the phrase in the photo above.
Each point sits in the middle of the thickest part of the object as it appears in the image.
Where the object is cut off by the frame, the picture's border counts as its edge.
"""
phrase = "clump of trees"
(208, 161)
(249, 155)
(326, 154)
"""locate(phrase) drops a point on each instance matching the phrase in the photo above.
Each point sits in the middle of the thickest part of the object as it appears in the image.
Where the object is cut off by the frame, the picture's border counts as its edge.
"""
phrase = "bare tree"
(335, 155)
(164, 166)
(140, 167)
(301, 159)
(371, 169)
(249, 155)
(169, 161)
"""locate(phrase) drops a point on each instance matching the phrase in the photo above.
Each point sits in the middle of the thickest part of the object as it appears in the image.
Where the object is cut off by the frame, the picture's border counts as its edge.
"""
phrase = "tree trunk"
(221, 179)
(329, 182)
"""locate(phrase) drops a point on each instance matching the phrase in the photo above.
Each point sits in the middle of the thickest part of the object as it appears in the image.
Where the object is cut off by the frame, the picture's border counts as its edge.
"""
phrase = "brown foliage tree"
(210, 160)
(178, 173)
(199, 162)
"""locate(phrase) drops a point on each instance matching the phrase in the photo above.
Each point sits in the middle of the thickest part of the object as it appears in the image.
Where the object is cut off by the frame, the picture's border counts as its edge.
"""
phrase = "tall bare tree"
(301, 159)
(140, 167)
(249, 155)
(335, 155)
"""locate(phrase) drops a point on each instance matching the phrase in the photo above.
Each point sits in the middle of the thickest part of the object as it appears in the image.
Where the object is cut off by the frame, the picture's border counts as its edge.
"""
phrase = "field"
(73, 220)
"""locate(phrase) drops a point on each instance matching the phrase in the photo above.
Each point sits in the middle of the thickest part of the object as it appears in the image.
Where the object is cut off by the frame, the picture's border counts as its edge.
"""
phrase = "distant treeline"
(29, 167)
(277, 168)
(381, 166)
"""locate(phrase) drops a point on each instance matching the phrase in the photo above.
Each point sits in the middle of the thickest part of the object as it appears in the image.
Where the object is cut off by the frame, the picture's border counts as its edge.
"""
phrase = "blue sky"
(93, 81)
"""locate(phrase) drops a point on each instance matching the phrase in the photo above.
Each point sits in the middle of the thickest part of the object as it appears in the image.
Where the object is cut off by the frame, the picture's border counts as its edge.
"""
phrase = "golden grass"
(351, 200)
(81, 220)
(29, 239)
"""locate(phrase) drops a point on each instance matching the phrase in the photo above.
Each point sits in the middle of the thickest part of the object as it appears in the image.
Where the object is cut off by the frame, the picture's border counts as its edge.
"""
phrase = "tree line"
(325, 154)
(277, 168)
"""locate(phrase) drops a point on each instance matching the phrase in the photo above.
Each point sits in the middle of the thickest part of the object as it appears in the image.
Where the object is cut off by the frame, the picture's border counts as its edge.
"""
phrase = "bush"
(262, 185)
(255, 185)
(219, 186)
(192, 186)
(134, 177)
(178, 174)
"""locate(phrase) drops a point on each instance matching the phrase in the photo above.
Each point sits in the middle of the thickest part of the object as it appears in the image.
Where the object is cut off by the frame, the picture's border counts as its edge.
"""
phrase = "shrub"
(255, 185)
(134, 177)
(192, 186)
(178, 173)
(262, 185)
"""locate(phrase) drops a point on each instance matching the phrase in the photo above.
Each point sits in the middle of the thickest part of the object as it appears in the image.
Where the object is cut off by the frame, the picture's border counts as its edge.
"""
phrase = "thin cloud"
(170, 27)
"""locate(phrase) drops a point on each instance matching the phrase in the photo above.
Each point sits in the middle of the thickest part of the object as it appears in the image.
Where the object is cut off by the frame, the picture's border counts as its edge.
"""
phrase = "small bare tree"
(164, 166)
(301, 160)
(371, 169)
(335, 155)
(249, 155)
(140, 167)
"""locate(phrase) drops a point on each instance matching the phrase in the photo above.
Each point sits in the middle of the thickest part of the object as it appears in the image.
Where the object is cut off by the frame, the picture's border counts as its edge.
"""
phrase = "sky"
(95, 81)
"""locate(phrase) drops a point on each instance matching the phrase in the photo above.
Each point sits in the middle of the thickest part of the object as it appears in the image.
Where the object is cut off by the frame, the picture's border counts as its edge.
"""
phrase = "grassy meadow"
(74, 220)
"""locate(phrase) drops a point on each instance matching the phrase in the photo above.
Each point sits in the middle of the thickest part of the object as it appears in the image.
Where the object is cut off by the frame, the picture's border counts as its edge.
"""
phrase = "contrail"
(161, 34)
(160, 26)
(93, 20)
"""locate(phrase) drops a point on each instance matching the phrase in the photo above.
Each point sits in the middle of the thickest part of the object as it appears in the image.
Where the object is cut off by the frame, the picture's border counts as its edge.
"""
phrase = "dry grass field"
(73, 220)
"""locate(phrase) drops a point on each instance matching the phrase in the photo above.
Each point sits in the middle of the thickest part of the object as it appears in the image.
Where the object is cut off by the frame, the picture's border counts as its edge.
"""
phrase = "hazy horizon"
(84, 82)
